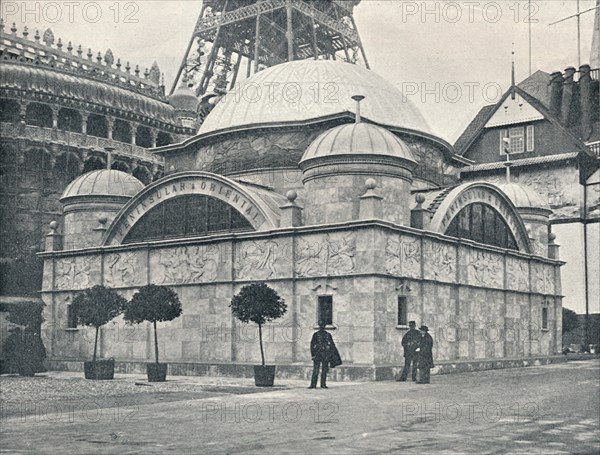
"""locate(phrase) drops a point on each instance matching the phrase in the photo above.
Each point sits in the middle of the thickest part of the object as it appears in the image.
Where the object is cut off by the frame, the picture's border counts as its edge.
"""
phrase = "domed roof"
(184, 99)
(358, 139)
(303, 90)
(523, 197)
(104, 182)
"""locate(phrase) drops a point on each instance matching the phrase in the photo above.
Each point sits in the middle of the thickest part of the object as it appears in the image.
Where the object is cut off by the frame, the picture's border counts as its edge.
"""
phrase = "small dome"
(523, 197)
(358, 139)
(184, 100)
(103, 183)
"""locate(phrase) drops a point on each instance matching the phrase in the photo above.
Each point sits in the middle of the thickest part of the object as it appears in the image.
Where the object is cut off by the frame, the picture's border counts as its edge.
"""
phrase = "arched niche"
(476, 211)
(217, 190)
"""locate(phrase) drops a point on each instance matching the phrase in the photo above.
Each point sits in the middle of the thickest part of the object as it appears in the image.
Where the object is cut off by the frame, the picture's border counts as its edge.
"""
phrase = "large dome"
(104, 182)
(310, 89)
(358, 139)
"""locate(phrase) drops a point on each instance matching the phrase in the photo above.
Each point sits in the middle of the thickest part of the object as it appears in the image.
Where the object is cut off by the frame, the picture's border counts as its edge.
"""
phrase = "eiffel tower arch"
(236, 37)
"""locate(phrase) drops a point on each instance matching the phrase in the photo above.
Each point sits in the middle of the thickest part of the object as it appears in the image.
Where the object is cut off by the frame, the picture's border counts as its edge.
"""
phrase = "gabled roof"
(469, 134)
(476, 127)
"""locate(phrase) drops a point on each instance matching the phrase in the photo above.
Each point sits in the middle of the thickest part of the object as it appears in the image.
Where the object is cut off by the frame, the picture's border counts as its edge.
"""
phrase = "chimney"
(585, 100)
(568, 95)
(556, 89)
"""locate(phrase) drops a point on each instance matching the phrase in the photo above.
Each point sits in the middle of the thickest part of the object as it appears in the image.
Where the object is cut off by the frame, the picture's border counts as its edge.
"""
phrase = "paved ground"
(541, 410)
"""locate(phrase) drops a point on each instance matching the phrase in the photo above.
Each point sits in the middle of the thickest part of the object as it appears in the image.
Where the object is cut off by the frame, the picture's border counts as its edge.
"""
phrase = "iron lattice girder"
(213, 22)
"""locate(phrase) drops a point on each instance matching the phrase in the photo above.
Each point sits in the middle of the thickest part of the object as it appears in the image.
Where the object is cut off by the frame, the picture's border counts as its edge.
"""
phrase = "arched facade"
(214, 188)
(480, 212)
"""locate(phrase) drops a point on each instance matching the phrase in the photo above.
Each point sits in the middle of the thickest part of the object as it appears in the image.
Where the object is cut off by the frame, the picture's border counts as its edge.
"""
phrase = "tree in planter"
(94, 307)
(259, 303)
(154, 304)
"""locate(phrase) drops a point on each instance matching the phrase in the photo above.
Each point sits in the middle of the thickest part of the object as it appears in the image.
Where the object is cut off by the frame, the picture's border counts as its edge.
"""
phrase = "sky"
(449, 57)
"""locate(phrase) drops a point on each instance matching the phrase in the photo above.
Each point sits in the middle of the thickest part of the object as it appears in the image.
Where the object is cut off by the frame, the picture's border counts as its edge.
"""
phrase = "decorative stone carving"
(517, 271)
(121, 269)
(402, 256)
(257, 260)
(485, 269)
(330, 257)
(186, 265)
(73, 273)
(440, 261)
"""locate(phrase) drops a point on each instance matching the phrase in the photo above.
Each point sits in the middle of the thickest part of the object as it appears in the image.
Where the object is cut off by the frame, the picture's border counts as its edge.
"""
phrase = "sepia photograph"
(334, 227)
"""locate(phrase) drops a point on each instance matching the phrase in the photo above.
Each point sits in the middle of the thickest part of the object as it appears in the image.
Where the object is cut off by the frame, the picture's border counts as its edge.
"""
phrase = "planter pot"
(99, 370)
(157, 372)
(264, 376)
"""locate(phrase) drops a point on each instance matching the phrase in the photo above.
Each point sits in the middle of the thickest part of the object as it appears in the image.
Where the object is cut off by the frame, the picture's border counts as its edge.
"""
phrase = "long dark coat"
(322, 347)
(425, 359)
(410, 342)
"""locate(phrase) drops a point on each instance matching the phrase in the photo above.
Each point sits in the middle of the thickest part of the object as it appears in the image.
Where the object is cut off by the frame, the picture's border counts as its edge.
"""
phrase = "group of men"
(418, 352)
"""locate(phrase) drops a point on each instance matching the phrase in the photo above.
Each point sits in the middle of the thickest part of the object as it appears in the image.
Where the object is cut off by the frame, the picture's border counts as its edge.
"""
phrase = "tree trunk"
(262, 352)
(96, 344)
(155, 343)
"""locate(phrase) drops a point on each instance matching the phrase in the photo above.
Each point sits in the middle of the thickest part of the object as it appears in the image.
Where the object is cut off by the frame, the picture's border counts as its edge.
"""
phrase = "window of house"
(520, 139)
(325, 310)
(530, 138)
(402, 310)
(545, 318)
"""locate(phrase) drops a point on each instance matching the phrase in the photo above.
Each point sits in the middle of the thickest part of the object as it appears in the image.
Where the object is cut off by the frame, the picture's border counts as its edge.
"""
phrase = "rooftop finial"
(513, 93)
(109, 151)
(358, 99)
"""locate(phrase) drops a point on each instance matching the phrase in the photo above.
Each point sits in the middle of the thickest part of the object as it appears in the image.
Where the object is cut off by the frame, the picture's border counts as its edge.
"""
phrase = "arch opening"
(187, 216)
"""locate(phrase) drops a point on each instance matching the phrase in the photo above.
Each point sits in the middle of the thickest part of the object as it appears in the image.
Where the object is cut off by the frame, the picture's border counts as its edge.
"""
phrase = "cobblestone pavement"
(551, 409)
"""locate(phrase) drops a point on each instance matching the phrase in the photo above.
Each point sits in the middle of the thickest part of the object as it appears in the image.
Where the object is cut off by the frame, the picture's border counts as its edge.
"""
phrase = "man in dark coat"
(322, 351)
(425, 355)
(410, 343)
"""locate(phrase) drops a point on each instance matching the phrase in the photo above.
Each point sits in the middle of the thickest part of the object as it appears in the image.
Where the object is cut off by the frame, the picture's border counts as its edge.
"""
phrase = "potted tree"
(94, 307)
(259, 303)
(154, 304)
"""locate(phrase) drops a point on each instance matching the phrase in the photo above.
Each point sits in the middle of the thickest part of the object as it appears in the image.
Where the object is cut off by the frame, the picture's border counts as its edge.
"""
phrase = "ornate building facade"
(62, 110)
(354, 214)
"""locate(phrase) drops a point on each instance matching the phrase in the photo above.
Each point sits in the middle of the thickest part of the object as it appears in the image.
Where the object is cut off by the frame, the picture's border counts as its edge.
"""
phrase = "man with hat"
(322, 351)
(410, 343)
(425, 355)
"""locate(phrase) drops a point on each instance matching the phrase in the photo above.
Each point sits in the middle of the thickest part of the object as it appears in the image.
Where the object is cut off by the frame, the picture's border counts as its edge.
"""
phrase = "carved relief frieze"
(184, 265)
(440, 261)
(326, 256)
(72, 273)
(517, 271)
(403, 256)
(261, 259)
(485, 269)
(122, 269)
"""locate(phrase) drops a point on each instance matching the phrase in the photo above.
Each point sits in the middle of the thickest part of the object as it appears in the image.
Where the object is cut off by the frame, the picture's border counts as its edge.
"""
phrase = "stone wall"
(479, 302)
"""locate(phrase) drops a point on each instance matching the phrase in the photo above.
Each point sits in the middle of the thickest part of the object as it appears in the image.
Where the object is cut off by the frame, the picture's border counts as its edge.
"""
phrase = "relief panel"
(331, 255)
(439, 261)
(485, 269)
(184, 265)
(403, 256)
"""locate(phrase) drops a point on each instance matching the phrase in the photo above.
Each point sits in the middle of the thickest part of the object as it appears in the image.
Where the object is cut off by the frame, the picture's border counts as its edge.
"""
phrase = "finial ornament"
(358, 99)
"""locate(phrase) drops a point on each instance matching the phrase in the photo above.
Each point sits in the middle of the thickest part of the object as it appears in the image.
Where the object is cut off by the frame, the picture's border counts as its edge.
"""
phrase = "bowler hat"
(424, 328)
(412, 323)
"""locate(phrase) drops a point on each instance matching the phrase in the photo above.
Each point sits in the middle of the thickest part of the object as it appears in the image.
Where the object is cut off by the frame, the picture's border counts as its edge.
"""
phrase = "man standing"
(322, 349)
(425, 355)
(410, 343)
